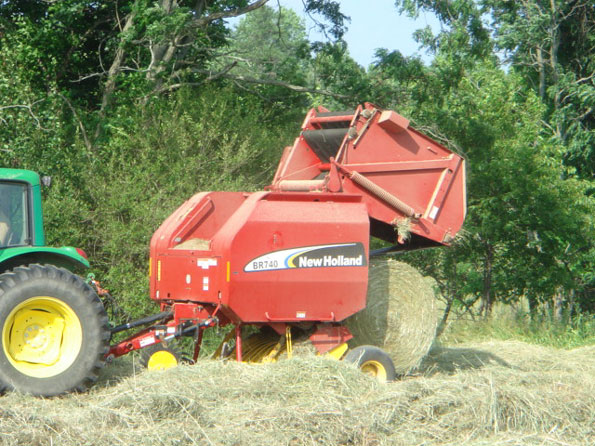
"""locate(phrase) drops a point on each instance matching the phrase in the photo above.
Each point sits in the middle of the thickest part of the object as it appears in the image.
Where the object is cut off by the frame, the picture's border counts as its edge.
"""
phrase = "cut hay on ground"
(400, 314)
(505, 393)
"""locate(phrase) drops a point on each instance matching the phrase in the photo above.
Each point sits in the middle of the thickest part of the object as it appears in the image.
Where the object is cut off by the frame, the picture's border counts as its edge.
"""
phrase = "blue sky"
(374, 24)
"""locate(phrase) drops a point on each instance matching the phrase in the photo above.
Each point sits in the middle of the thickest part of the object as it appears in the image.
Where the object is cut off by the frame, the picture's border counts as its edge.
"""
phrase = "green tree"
(552, 44)
(333, 69)
(549, 42)
(98, 54)
(270, 55)
(529, 231)
(269, 42)
(534, 237)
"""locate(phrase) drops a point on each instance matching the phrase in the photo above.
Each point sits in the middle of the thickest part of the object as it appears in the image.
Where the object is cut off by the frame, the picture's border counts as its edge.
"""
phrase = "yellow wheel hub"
(374, 368)
(42, 337)
(162, 360)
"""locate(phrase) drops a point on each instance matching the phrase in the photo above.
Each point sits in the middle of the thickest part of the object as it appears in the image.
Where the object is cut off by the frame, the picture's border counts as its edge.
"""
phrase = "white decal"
(147, 341)
(434, 212)
(319, 256)
(206, 263)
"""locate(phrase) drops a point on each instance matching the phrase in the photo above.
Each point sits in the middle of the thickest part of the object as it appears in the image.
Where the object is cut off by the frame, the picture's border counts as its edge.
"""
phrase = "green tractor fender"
(67, 257)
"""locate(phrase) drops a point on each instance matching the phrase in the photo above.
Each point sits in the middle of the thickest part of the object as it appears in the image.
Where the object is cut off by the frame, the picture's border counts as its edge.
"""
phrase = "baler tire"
(53, 331)
(160, 357)
(372, 361)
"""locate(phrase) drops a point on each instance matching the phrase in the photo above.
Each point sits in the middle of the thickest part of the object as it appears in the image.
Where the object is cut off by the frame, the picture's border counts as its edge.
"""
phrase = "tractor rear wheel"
(372, 361)
(53, 331)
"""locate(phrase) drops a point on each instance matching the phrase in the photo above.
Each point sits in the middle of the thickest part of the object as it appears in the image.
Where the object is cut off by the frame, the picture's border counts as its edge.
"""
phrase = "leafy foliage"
(153, 163)
(526, 133)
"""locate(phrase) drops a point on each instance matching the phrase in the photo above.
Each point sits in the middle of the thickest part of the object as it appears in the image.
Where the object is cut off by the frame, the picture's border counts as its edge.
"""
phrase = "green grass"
(543, 330)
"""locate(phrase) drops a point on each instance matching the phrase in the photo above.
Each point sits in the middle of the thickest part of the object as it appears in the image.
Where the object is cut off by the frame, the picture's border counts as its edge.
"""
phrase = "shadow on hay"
(119, 370)
(450, 360)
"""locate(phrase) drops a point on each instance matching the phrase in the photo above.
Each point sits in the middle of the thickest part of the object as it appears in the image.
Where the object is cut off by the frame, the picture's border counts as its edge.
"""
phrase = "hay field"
(492, 393)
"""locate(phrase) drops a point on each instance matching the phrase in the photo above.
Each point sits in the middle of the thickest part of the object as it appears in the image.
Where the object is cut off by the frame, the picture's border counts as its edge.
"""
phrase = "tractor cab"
(15, 228)
(22, 239)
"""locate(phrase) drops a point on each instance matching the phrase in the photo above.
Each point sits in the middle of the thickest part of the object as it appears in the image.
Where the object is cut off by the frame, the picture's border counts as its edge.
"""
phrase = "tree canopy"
(133, 105)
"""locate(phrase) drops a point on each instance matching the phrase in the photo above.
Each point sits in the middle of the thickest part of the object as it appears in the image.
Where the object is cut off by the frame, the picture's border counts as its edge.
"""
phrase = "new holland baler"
(291, 261)
(296, 255)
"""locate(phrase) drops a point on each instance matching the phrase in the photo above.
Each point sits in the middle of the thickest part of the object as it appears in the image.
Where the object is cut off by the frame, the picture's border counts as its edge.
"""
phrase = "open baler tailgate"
(406, 179)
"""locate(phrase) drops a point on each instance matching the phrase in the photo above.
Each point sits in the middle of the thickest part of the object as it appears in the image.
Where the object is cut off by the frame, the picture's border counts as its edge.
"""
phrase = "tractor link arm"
(158, 333)
(142, 321)
(190, 330)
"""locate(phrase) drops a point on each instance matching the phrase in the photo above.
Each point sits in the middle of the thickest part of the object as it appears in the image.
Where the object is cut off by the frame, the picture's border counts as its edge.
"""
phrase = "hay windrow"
(400, 314)
(498, 393)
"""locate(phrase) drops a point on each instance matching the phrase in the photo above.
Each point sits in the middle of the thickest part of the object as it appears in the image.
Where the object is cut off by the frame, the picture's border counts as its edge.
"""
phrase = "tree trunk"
(532, 306)
(442, 323)
(486, 297)
(110, 84)
(163, 52)
(554, 32)
(571, 304)
(557, 304)
(541, 67)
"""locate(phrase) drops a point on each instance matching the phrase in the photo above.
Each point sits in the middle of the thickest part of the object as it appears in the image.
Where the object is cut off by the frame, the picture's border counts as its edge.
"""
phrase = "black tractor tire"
(372, 361)
(54, 331)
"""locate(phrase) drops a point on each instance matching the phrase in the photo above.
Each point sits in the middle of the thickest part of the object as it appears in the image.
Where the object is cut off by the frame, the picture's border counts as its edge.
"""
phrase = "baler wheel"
(53, 331)
(373, 361)
(160, 357)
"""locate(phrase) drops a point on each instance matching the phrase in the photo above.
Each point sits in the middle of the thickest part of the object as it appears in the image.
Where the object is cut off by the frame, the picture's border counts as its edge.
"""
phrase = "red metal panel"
(326, 337)
(192, 220)
(264, 235)
(418, 171)
(392, 122)
(169, 267)
(186, 276)
(316, 122)
(330, 232)
(420, 174)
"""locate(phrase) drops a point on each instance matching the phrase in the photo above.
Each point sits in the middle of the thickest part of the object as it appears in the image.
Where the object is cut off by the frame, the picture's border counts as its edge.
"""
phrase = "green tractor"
(53, 327)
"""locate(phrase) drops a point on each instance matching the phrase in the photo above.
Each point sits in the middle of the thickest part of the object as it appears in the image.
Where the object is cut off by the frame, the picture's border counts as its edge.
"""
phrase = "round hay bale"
(400, 314)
